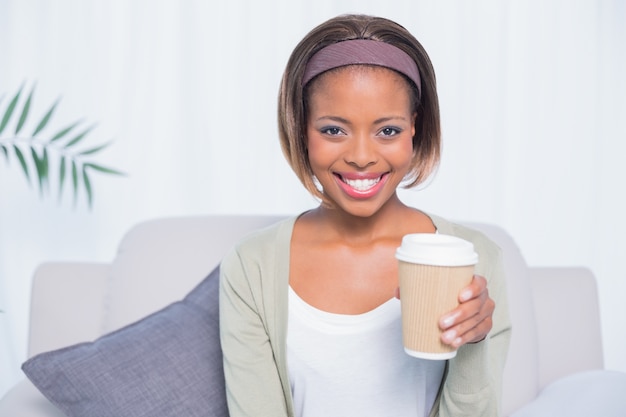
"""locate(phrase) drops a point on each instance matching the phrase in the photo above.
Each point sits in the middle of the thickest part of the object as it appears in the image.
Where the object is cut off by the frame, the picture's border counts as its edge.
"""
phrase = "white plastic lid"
(436, 249)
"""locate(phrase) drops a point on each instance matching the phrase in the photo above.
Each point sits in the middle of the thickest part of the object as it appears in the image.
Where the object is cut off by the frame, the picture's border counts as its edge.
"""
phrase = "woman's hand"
(471, 321)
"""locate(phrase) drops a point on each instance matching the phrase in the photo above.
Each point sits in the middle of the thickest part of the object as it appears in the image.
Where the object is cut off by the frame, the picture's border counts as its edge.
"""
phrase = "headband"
(363, 52)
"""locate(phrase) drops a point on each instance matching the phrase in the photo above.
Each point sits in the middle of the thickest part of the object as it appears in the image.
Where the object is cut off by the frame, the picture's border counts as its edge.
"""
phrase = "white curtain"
(533, 106)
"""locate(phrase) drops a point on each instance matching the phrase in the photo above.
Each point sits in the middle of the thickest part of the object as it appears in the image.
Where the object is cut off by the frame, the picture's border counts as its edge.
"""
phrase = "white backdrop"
(534, 118)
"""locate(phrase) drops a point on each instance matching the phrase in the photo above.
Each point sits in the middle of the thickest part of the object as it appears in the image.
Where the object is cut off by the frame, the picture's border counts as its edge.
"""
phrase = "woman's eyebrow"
(389, 118)
(333, 118)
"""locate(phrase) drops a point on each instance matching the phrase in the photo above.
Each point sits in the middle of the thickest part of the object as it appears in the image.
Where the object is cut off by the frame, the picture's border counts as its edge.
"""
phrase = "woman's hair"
(293, 96)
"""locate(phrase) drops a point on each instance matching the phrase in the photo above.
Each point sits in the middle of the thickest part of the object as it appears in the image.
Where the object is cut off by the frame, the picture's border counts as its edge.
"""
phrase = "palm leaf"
(61, 176)
(9, 112)
(20, 156)
(87, 186)
(45, 119)
(35, 162)
(64, 131)
(39, 168)
(94, 150)
(46, 167)
(25, 109)
(103, 169)
(79, 137)
(75, 180)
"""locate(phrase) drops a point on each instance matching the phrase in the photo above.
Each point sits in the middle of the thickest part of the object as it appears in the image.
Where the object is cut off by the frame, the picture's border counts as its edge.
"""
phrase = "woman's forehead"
(346, 84)
(357, 70)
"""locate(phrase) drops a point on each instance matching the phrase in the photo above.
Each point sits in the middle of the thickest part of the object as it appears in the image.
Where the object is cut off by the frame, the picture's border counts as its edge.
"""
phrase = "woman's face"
(359, 135)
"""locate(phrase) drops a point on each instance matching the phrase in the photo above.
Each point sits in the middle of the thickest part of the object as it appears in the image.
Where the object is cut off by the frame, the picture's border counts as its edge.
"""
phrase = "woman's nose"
(361, 151)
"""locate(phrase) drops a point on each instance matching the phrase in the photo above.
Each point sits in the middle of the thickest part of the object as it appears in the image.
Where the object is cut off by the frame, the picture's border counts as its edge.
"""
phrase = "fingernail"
(449, 336)
(447, 322)
(465, 295)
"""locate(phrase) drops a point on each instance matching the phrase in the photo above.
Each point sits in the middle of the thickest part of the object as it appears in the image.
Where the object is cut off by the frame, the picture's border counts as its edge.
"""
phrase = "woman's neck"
(393, 220)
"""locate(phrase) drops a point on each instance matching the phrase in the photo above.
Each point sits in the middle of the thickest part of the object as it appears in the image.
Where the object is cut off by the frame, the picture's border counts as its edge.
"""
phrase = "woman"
(310, 321)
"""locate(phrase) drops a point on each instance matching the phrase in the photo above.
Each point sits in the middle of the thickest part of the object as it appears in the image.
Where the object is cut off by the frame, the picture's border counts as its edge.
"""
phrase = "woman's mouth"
(365, 186)
(361, 184)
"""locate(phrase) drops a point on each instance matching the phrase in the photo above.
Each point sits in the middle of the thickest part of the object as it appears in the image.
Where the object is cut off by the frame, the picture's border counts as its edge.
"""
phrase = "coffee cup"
(432, 270)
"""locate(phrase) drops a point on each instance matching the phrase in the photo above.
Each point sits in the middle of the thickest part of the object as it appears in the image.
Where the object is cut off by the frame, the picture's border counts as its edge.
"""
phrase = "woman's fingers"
(471, 321)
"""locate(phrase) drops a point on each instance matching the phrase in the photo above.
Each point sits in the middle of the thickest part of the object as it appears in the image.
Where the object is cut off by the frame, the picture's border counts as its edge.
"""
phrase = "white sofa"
(554, 311)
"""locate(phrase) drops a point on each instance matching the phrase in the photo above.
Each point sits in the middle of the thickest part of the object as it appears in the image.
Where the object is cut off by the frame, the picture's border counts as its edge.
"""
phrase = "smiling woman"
(358, 116)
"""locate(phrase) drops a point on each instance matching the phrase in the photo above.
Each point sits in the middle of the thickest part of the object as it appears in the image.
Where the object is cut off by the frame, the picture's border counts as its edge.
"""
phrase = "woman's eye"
(390, 131)
(333, 131)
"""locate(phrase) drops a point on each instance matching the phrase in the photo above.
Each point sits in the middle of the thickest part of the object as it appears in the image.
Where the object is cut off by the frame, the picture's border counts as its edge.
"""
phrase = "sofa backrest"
(521, 373)
(164, 259)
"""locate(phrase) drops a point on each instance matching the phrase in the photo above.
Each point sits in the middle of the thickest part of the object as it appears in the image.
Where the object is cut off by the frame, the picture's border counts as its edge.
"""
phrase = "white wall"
(533, 106)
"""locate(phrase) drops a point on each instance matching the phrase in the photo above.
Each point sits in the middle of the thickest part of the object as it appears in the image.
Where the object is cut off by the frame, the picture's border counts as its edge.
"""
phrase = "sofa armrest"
(67, 305)
(583, 394)
(568, 322)
(25, 400)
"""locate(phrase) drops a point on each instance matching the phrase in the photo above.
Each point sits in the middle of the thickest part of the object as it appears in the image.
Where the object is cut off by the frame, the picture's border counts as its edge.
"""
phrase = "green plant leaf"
(46, 168)
(87, 186)
(61, 176)
(36, 155)
(9, 112)
(20, 156)
(103, 169)
(75, 180)
(39, 168)
(25, 110)
(94, 150)
(45, 119)
(79, 137)
(64, 131)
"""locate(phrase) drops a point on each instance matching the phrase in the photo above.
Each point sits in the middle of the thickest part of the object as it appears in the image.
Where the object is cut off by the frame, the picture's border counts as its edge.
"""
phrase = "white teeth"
(362, 185)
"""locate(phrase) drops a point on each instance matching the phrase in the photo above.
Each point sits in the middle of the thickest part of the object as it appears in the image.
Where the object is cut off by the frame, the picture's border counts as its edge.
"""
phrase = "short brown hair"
(292, 108)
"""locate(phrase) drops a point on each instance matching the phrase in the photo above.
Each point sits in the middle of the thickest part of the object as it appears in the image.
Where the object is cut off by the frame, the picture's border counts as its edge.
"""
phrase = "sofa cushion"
(166, 364)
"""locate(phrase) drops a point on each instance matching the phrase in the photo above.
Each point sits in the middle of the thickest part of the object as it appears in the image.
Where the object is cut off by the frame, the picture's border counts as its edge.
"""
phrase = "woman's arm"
(473, 385)
(253, 386)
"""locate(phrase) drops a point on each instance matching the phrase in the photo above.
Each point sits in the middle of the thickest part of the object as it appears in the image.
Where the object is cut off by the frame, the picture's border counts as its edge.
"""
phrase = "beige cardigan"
(254, 285)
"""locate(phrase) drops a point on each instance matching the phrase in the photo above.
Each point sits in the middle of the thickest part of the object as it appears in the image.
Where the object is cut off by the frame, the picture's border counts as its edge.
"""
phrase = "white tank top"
(354, 365)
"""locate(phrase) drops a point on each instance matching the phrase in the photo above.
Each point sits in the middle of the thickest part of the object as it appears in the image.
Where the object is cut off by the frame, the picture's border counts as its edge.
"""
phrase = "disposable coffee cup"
(432, 270)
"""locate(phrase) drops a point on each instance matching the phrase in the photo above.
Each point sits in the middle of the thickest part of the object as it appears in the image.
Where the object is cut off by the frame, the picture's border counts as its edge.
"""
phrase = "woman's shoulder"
(257, 243)
(481, 242)
(269, 233)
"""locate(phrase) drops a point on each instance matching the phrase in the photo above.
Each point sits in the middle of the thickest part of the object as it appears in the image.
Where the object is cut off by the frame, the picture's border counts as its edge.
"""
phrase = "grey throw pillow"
(167, 364)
